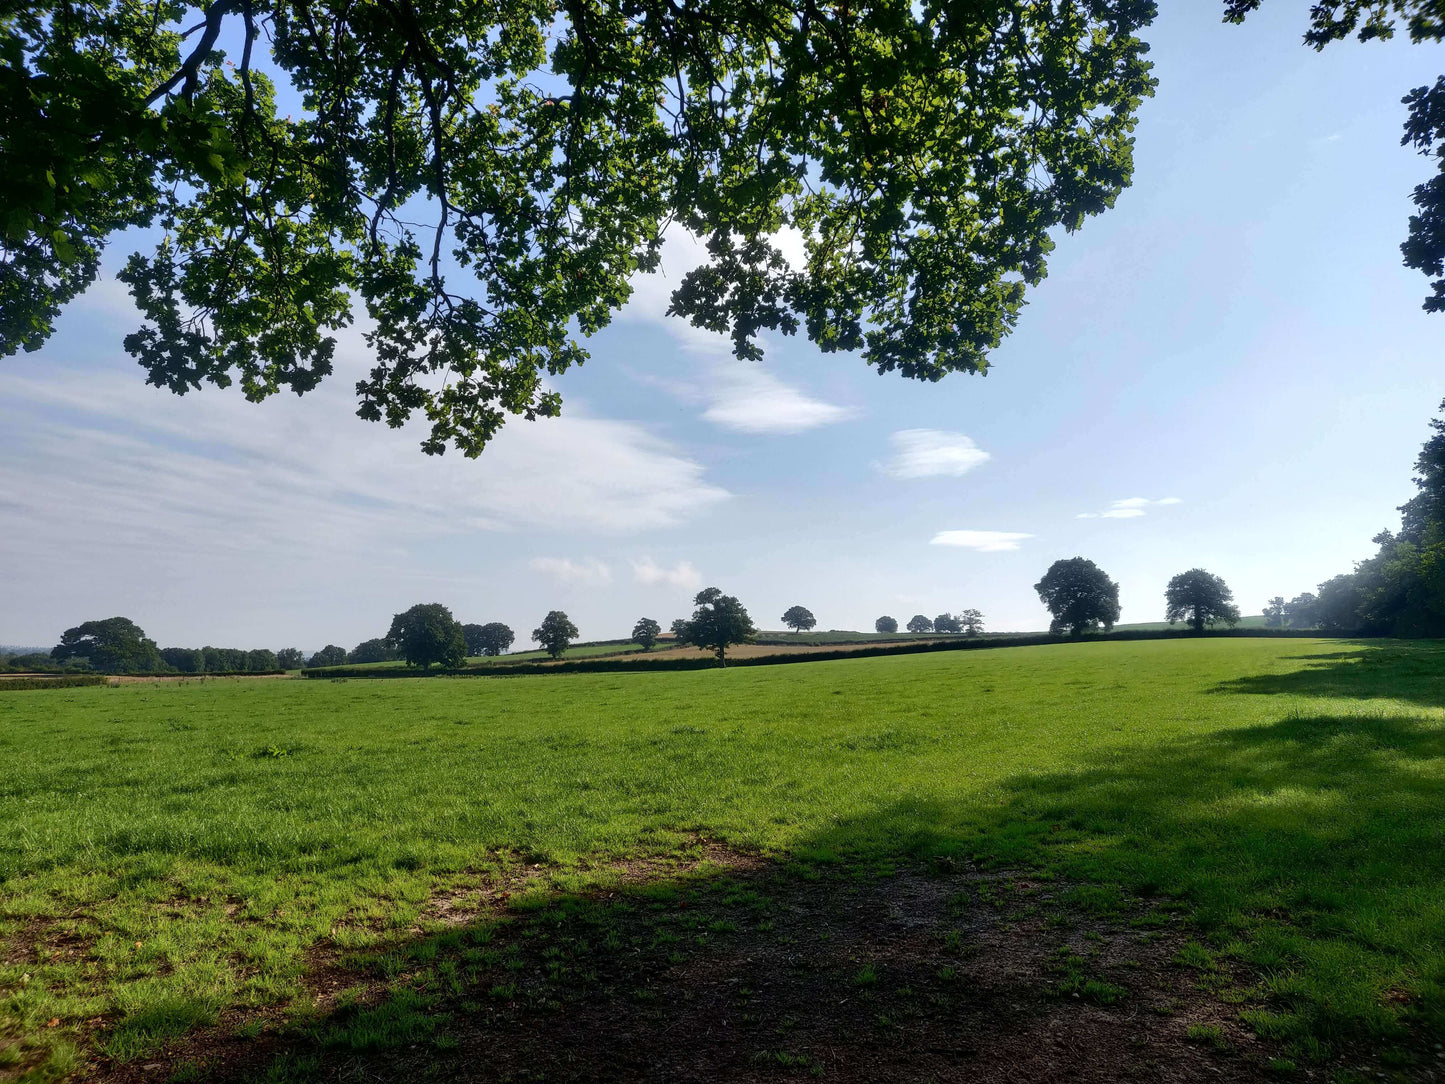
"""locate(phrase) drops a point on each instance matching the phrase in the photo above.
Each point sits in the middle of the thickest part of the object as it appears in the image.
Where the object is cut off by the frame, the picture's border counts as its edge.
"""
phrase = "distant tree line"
(1400, 591)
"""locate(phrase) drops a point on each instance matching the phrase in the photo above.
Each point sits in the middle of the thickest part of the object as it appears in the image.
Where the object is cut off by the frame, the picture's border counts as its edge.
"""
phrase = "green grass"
(172, 850)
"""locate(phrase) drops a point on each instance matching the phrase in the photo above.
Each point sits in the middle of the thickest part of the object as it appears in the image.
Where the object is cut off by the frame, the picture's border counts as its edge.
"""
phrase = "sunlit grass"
(169, 850)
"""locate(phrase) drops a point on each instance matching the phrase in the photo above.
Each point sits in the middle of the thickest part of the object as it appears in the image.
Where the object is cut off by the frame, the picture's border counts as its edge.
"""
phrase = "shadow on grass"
(929, 937)
(1410, 671)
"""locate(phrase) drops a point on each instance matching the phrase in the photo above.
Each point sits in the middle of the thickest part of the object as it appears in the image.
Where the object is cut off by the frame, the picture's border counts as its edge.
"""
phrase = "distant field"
(176, 854)
(1254, 622)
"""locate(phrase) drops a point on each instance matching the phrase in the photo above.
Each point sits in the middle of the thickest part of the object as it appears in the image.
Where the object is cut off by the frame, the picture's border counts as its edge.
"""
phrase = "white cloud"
(650, 574)
(931, 453)
(982, 541)
(589, 571)
(1129, 508)
(751, 400)
(741, 395)
(150, 472)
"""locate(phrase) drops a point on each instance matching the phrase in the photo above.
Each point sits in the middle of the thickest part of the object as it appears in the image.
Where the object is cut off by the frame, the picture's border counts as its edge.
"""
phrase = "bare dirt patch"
(725, 966)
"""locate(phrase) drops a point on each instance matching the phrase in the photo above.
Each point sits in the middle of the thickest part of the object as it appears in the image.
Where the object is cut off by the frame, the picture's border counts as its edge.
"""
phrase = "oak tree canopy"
(481, 181)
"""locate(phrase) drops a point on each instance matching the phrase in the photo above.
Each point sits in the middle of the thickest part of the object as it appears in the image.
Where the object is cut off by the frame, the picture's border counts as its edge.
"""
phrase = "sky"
(1229, 370)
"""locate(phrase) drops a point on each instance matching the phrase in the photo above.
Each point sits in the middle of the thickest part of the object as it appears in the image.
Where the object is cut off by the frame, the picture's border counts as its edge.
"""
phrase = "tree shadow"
(1032, 934)
(1411, 671)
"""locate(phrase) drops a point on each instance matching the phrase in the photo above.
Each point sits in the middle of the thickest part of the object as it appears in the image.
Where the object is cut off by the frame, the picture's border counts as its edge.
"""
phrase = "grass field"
(172, 852)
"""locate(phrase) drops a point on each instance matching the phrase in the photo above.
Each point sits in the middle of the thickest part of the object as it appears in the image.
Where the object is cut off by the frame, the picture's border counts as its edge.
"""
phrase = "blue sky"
(1229, 370)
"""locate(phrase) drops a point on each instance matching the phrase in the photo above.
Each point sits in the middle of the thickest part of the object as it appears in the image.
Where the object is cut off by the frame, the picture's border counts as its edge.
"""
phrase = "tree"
(1335, 20)
(886, 624)
(261, 660)
(1303, 611)
(369, 651)
(187, 660)
(718, 622)
(1200, 598)
(330, 655)
(646, 632)
(290, 658)
(115, 645)
(1079, 595)
(919, 623)
(1274, 612)
(490, 639)
(427, 633)
(799, 618)
(971, 622)
(947, 623)
(554, 633)
(927, 154)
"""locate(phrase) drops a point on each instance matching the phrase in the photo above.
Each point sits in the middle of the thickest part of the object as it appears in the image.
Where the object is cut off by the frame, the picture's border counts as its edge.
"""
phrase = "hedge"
(706, 662)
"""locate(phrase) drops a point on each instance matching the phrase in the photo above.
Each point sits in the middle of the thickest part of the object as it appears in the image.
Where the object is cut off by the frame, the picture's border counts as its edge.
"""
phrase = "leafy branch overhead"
(1377, 20)
(483, 180)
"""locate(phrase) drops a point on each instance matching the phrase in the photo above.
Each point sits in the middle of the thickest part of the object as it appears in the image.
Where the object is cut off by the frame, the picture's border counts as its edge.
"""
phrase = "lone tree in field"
(718, 622)
(115, 645)
(646, 632)
(428, 633)
(919, 623)
(799, 618)
(947, 623)
(554, 633)
(1200, 598)
(330, 655)
(485, 180)
(971, 622)
(886, 624)
(1080, 597)
(490, 639)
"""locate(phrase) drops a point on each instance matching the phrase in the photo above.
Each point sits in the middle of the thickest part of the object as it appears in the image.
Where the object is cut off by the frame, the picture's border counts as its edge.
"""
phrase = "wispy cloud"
(982, 541)
(932, 453)
(589, 572)
(152, 473)
(752, 400)
(1129, 508)
(650, 574)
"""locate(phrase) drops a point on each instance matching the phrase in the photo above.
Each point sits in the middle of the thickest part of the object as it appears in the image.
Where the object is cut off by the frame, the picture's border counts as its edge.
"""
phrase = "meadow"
(181, 853)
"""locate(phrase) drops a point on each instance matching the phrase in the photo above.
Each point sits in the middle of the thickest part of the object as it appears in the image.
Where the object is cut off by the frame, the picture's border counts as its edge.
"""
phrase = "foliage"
(646, 632)
(485, 180)
(1424, 246)
(718, 622)
(1290, 806)
(1400, 591)
(1275, 611)
(330, 655)
(378, 649)
(919, 623)
(290, 658)
(262, 660)
(1079, 595)
(947, 623)
(38, 661)
(799, 618)
(490, 639)
(115, 645)
(1303, 611)
(554, 633)
(428, 633)
(1200, 598)
(886, 624)
(971, 622)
